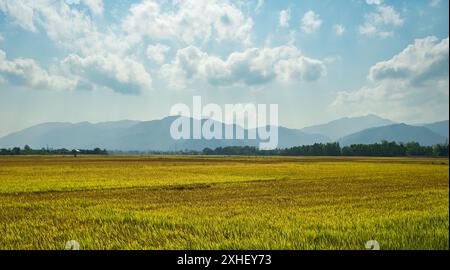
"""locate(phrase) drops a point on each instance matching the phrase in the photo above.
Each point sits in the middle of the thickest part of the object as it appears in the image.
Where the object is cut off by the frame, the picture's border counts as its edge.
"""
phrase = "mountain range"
(397, 132)
(342, 127)
(130, 135)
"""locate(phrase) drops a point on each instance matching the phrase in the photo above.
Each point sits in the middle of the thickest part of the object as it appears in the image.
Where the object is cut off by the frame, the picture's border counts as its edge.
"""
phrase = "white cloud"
(187, 64)
(251, 67)
(26, 72)
(72, 2)
(379, 23)
(259, 6)
(190, 21)
(419, 64)
(122, 75)
(74, 30)
(374, 2)
(21, 12)
(310, 22)
(61, 23)
(157, 53)
(1, 37)
(102, 59)
(411, 86)
(339, 29)
(95, 6)
(66, 25)
(285, 16)
(385, 15)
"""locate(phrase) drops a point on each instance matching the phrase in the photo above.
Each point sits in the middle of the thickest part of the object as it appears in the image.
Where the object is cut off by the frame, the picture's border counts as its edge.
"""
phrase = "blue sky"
(94, 60)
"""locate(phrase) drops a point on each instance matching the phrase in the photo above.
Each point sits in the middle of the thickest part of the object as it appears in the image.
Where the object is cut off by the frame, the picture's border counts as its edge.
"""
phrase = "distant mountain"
(440, 128)
(155, 135)
(135, 135)
(347, 125)
(397, 132)
(294, 137)
(66, 135)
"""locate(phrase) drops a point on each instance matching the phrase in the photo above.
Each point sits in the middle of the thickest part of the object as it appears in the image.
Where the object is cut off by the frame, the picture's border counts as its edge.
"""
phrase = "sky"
(319, 60)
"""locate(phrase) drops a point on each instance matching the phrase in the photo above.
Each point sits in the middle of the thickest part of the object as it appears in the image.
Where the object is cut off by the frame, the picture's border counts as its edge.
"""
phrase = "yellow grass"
(185, 202)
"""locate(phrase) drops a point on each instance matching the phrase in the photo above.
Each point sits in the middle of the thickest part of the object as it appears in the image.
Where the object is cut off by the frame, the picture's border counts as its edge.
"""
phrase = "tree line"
(384, 148)
(27, 150)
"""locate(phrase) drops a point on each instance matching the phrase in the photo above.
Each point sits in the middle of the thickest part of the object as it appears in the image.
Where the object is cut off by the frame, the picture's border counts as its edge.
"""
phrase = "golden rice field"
(187, 202)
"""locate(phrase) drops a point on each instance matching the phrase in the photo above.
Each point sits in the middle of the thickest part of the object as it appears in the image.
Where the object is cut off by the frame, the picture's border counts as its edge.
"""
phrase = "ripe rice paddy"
(197, 202)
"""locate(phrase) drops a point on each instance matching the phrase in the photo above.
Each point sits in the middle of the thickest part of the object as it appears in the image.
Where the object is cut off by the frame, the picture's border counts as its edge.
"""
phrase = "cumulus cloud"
(21, 12)
(380, 22)
(67, 26)
(410, 86)
(191, 21)
(420, 63)
(122, 75)
(252, 67)
(74, 29)
(285, 16)
(26, 72)
(310, 22)
(339, 29)
(157, 53)
(102, 58)
(61, 23)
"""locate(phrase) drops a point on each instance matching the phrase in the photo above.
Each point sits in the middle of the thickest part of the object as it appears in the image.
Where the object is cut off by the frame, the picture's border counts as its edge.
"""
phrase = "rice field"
(197, 202)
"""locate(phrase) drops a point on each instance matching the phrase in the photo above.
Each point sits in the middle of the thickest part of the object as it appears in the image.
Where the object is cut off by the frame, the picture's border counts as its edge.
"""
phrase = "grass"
(186, 202)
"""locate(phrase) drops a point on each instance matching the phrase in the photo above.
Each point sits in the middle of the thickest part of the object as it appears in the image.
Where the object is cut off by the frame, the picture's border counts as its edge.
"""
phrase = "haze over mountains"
(135, 135)
(397, 132)
(345, 126)
(155, 135)
(440, 128)
(372, 129)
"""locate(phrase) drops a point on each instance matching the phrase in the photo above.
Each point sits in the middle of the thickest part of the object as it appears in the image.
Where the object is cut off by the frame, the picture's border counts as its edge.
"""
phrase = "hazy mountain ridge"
(136, 135)
(130, 135)
(440, 127)
(345, 126)
(401, 133)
